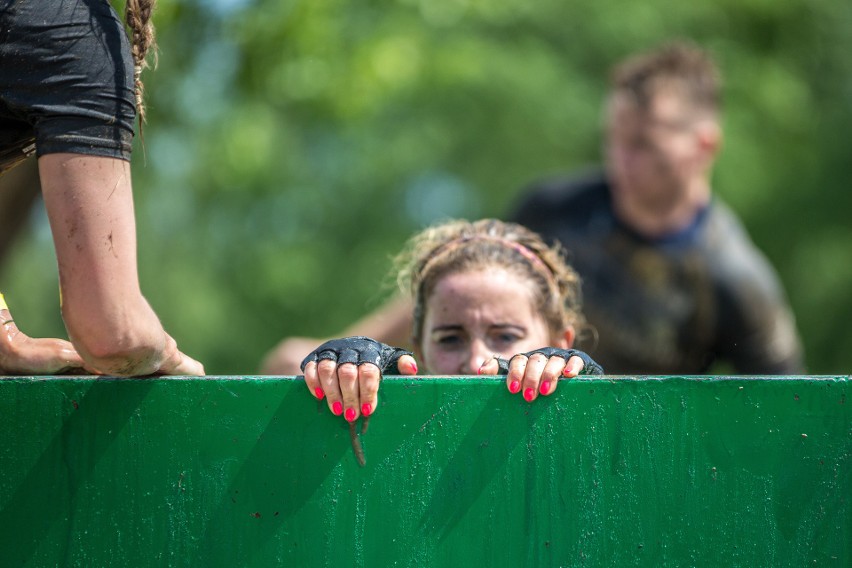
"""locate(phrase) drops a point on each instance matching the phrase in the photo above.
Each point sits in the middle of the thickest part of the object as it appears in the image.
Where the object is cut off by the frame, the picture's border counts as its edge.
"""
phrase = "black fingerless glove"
(589, 365)
(358, 350)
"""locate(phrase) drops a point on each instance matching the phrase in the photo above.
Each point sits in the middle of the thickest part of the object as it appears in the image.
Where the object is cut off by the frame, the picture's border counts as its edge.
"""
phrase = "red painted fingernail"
(529, 394)
(545, 387)
(366, 409)
(514, 387)
(570, 370)
(350, 414)
(479, 371)
(318, 392)
(337, 408)
(414, 367)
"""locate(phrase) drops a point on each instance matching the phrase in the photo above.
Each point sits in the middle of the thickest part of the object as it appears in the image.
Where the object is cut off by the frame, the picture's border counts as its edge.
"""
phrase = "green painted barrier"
(235, 471)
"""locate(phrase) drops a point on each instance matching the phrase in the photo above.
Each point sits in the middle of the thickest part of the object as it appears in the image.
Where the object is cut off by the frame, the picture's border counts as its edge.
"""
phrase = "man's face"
(652, 154)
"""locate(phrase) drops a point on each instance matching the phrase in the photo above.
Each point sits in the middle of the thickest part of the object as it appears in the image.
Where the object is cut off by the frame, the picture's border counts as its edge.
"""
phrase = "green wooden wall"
(249, 471)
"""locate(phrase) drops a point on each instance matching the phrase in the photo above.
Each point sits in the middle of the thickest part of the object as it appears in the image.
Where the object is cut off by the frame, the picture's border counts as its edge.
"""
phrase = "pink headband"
(528, 254)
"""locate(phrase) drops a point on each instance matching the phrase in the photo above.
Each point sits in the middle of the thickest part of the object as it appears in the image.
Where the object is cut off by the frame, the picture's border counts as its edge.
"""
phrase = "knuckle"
(533, 374)
(369, 392)
(369, 372)
(556, 365)
(550, 374)
(347, 373)
(538, 359)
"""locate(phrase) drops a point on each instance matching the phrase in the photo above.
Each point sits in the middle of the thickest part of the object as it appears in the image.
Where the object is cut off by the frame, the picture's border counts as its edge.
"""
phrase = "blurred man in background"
(672, 283)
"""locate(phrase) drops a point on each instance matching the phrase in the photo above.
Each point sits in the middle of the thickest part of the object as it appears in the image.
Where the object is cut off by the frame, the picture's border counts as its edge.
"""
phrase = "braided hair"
(137, 15)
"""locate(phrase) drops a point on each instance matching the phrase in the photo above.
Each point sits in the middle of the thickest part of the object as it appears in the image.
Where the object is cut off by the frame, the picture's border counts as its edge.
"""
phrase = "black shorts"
(66, 80)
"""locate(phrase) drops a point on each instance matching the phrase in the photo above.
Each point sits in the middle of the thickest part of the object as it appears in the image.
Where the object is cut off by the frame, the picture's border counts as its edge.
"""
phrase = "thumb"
(190, 366)
(490, 367)
(407, 365)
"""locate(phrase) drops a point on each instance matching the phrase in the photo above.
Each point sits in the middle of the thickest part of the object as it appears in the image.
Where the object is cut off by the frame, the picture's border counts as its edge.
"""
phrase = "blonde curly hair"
(460, 246)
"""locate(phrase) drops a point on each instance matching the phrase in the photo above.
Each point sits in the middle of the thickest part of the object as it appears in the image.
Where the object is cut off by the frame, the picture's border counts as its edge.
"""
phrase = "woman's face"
(471, 316)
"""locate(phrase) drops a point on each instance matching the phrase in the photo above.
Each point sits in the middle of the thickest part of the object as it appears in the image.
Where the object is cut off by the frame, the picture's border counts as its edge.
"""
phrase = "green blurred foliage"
(291, 148)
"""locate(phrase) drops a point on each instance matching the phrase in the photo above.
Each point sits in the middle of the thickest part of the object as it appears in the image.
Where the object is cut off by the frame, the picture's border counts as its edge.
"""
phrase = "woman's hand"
(21, 354)
(347, 372)
(177, 363)
(538, 371)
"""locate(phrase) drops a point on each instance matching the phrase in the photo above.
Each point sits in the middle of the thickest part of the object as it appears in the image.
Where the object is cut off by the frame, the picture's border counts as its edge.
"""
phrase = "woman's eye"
(507, 338)
(448, 340)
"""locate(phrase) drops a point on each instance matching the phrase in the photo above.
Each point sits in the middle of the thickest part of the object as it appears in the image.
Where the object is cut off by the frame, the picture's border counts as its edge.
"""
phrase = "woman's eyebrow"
(508, 326)
(447, 327)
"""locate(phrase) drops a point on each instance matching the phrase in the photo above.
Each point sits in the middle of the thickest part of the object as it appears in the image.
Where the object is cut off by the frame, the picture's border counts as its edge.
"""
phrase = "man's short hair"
(679, 65)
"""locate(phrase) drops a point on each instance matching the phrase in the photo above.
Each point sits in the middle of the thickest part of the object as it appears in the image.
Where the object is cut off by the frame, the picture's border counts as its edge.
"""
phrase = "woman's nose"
(479, 354)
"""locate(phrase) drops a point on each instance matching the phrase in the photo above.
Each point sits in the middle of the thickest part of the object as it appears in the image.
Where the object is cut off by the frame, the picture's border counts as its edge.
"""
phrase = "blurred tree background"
(292, 146)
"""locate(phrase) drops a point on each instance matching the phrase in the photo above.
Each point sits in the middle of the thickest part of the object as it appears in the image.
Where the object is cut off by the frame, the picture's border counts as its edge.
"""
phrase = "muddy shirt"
(674, 305)
(66, 80)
